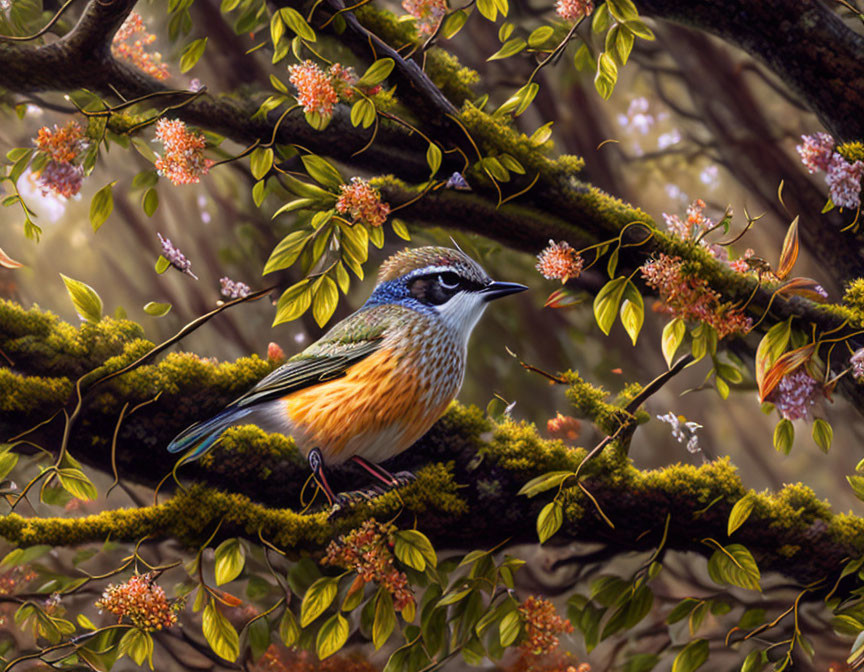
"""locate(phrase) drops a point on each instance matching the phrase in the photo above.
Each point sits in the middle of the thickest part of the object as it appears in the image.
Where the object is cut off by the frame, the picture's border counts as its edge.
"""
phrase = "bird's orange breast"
(383, 405)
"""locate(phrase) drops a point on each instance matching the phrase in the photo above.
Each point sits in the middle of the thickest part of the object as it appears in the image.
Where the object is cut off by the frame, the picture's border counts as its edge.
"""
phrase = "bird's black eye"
(449, 281)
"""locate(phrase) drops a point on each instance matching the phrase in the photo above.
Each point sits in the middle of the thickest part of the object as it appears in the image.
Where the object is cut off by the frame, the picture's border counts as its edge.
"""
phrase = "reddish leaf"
(785, 365)
(805, 287)
(562, 298)
(789, 253)
(8, 262)
(228, 599)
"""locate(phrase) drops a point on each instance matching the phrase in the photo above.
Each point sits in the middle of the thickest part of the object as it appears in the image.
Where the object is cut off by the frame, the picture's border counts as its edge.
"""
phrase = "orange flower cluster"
(542, 626)
(315, 90)
(141, 601)
(427, 12)
(64, 146)
(559, 261)
(279, 659)
(134, 52)
(14, 578)
(573, 10)
(366, 550)
(363, 203)
(183, 161)
(690, 298)
(563, 427)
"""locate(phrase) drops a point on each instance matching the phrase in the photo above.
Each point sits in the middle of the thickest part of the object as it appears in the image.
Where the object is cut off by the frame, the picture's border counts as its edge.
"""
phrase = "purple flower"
(233, 289)
(177, 259)
(457, 181)
(795, 395)
(816, 151)
(857, 362)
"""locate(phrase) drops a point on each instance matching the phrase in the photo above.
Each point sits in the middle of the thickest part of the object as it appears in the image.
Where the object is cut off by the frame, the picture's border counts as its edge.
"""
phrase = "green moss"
(853, 151)
(590, 401)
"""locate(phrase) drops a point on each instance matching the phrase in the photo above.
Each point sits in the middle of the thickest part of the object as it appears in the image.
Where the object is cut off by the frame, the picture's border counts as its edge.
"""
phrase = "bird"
(378, 380)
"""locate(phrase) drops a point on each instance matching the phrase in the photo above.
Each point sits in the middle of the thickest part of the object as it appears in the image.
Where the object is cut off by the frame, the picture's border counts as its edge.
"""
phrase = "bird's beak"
(495, 290)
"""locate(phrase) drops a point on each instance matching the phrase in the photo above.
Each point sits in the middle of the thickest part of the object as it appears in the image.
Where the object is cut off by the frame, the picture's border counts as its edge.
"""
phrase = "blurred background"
(690, 118)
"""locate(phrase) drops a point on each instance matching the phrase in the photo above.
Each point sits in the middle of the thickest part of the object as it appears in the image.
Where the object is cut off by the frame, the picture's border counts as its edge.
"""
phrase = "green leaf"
(823, 434)
(326, 297)
(539, 35)
(316, 600)
(219, 633)
(639, 29)
(289, 629)
(377, 72)
(509, 48)
(295, 21)
(681, 610)
(784, 436)
(230, 558)
(691, 657)
(857, 483)
(157, 309)
(433, 158)
(754, 661)
(332, 636)
(385, 618)
(772, 345)
(511, 626)
(519, 101)
(632, 311)
(607, 301)
(623, 10)
(734, 565)
(363, 112)
(260, 162)
(740, 513)
(287, 251)
(85, 299)
(543, 483)
(607, 75)
(400, 229)
(414, 549)
(488, 9)
(453, 23)
(24, 556)
(162, 265)
(76, 483)
(583, 60)
(150, 201)
(8, 460)
(192, 54)
(138, 645)
(294, 302)
(322, 171)
(550, 520)
(102, 205)
(673, 336)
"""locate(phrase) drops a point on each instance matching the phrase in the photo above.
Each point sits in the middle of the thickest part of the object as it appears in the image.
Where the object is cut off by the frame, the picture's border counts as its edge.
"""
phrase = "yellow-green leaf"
(102, 205)
(377, 72)
(734, 565)
(138, 645)
(673, 336)
(85, 299)
(433, 158)
(784, 436)
(740, 513)
(539, 35)
(295, 21)
(76, 483)
(691, 657)
(511, 626)
(318, 597)
(400, 229)
(294, 302)
(157, 309)
(607, 301)
(289, 629)
(192, 54)
(509, 48)
(789, 253)
(607, 75)
(632, 311)
(550, 520)
(326, 297)
(823, 434)
(385, 618)
(414, 549)
(219, 633)
(332, 636)
(260, 162)
(230, 558)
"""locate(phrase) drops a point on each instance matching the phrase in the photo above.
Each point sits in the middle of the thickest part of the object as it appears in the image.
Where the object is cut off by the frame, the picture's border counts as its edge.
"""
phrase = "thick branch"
(806, 44)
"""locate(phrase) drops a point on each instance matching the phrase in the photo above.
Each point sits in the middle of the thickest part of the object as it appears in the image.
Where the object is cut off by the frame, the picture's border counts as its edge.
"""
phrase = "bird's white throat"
(461, 313)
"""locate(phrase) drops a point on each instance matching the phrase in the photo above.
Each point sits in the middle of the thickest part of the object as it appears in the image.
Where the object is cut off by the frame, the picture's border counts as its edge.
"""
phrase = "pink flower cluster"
(175, 257)
(362, 202)
(427, 12)
(64, 146)
(140, 600)
(559, 261)
(183, 161)
(695, 225)
(542, 626)
(233, 289)
(366, 550)
(573, 10)
(319, 91)
(135, 52)
(843, 178)
(796, 394)
(857, 362)
(690, 298)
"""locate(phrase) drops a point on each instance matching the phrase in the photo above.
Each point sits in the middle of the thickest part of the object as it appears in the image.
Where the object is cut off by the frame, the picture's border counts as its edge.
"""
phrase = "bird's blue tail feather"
(202, 435)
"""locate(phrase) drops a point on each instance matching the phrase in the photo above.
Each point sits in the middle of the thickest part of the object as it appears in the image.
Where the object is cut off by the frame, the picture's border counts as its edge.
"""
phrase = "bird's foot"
(345, 500)
(403, 478)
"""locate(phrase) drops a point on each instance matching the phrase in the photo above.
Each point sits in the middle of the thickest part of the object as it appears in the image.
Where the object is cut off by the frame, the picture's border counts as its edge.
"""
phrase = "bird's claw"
(403, 478)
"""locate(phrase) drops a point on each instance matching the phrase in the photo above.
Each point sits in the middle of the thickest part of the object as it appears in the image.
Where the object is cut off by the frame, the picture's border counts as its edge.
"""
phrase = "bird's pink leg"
(316, 462)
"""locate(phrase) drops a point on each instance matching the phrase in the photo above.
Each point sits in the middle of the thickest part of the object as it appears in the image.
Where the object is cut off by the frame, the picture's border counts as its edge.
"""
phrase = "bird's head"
(439, 281)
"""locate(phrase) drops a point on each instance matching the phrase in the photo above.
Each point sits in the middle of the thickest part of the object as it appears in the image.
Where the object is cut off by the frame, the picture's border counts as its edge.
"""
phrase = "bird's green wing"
(348, 342)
